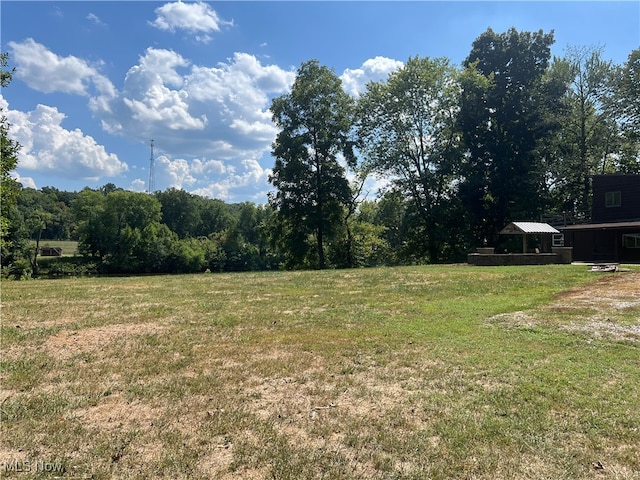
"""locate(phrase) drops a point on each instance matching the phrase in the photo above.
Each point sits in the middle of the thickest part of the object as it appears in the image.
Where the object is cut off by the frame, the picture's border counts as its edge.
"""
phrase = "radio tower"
(152, 180)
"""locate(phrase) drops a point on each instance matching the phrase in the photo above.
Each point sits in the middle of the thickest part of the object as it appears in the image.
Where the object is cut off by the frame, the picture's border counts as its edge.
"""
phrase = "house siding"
(601, 245)
(603, 239)
(629, 188)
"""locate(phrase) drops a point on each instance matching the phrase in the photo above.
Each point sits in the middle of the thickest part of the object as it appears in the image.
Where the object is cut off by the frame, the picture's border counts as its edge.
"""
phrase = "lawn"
(69, 248)
(429, 372)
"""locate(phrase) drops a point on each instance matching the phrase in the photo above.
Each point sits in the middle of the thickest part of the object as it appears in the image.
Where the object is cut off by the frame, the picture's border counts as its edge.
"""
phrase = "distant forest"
(511, 134)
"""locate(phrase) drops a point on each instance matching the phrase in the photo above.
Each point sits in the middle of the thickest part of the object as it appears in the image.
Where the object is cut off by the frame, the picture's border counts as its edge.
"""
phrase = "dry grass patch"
(98, 339)
(606, 308)
(367, 374)
(117, 414)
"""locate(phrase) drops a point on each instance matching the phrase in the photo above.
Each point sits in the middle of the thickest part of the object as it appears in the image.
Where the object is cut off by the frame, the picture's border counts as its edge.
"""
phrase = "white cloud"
(251, 177)
(92, 17)
(208, 167)
(220, 112)
(147, 103)
(161, 64)
(209, 122)
(178, 170)
(47, 72)
(47, 147)
(259, 130)
(27, 182)
(161, 105)
(138, 185)
(197, 18)
(214, 178)
(376, 69)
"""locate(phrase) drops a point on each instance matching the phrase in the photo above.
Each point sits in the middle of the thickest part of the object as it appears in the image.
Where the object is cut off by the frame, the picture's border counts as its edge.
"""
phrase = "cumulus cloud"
(212, 123)
(138, 185)
(178, 170)
(26, 182)
(48, 147)
(148, 104)
(197, 18)
(47, 72)
(235, 185)
(160, 64)
(376, 69)
(229, 181)
(194, 110)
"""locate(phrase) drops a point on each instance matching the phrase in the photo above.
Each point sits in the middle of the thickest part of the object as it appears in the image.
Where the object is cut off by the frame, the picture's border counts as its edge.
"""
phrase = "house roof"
(602, 226)
(521, 228)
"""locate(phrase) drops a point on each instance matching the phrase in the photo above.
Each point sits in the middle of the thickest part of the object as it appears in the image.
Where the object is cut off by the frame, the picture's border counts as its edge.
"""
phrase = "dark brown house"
(614, 232)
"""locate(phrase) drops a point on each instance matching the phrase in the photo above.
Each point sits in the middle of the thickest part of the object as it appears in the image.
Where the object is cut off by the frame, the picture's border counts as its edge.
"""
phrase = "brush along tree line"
(511, 134)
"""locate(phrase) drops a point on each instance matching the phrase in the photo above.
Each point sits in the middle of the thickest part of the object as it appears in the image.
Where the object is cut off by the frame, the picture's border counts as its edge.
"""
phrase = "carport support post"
(524, 243)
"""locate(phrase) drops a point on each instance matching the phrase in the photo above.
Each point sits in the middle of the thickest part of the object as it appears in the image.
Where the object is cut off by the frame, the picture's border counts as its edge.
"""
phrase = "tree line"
(511, 134)
(173, 231)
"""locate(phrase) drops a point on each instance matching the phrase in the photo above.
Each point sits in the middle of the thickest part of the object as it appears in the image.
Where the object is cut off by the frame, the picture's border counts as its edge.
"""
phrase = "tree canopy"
(315, 120)
(407, 128)
(8, 161)
(504, 123)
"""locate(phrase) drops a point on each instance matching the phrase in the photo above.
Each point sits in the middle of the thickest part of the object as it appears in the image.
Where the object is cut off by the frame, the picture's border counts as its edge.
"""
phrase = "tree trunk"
(321, 260)
(34, 263)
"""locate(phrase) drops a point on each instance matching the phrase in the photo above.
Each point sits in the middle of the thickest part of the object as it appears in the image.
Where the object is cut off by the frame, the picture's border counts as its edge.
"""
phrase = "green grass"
(69, 247)
(442, 372)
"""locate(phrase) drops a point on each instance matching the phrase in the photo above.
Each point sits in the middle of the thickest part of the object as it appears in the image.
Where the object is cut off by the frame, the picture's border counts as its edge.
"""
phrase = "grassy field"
(438, 372)
(69, 247)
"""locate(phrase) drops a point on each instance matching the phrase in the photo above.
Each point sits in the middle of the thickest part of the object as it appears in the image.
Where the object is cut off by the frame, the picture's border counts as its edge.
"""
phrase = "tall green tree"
(8, 161)
(408, 131)
(215, 217)
(180, 211)
(126, 215)
(38, 215)
(112, 226)
(315, 121)
(589, 135)
(628, 91)
(88, 209)
(504, 122)
(625, 106)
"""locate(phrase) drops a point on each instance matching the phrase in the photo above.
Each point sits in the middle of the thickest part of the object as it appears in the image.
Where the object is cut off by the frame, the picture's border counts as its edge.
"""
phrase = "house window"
(631, 240)
(613, 199)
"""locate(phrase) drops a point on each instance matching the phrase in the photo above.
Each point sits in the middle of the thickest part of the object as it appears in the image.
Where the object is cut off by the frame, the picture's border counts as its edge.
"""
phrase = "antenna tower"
(152, 180)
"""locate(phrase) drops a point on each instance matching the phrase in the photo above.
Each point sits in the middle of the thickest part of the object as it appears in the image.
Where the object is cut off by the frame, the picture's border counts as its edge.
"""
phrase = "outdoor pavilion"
(544, 230)
(548, 253)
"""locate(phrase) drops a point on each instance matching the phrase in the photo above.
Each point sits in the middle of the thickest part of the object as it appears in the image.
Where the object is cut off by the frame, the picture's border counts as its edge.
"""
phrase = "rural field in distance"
(426, 372)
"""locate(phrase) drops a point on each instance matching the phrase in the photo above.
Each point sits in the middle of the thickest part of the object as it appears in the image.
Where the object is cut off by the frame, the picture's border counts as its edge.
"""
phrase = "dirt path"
(609, 307)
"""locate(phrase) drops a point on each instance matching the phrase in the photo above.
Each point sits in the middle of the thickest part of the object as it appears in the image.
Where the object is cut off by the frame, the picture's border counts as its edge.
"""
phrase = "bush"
(75, 266)
(18, 270)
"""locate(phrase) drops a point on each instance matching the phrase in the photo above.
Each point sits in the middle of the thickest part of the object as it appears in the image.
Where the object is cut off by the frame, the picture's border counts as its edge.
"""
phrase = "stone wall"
(559, 255)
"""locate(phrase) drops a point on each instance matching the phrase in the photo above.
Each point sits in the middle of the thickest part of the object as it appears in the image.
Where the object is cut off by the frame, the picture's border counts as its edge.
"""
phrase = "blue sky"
(96, 81)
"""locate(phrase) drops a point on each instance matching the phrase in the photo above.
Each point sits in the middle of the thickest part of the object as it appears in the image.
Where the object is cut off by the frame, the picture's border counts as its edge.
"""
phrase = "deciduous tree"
(504, 122)
(407, 127)
(588, 136)
(626, 109)
(8, 161)
(314, 122)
